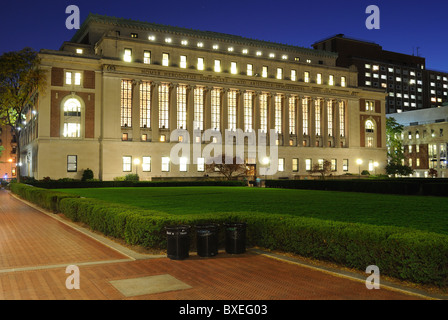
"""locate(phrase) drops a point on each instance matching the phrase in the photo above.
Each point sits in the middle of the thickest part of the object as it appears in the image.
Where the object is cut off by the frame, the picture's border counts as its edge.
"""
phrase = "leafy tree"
(395, 152)
(432, 173)
(323, 169)
(227, 166)
(87, 175)
(20, 81)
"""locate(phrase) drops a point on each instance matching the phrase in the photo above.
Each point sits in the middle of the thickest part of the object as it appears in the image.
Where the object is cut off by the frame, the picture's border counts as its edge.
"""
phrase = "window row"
(235, 68)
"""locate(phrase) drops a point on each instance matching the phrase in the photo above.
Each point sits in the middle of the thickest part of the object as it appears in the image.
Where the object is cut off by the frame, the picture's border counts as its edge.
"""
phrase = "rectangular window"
(201, 164)
(250, 69)
(331, 80)
(319, 78)
(334, 166)
(305, 115)
(183, 62)
(183, 164)
(164, 100)
(343, 82)
(165, 164)
(371, 166)
(264, 112)
(216, 108)
(417, 162)
(308, 164)
(127, 164)
(127, 57)
(199, 108)
(145, 104)
(264, 72)
(231, 100)
(306, 76)
(165, 59)
(72, 163)
(201, 65)
(278, 114)
(292, 115)
(345, 164)
(295, 165)
(248, 111)
(68, 78)
(233, 68)
(370, 105)
(181, 107)
(147, 57)
(126, 103)
(77, 78)
(293, 75)
(279, 73)
(217, 66)
(281, 164)
(146, 164)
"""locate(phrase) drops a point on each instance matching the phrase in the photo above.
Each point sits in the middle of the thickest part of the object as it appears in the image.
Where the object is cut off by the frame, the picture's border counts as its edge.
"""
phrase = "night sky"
(404, 25)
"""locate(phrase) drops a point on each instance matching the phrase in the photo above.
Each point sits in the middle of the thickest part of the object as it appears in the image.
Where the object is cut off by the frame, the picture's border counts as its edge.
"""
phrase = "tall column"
(285, 119)
(312, 121)
(299, 118)
(325, 121)
(155, 111)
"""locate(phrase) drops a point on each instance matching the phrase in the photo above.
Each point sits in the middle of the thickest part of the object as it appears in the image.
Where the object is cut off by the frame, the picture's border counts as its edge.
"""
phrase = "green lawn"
(418, 212)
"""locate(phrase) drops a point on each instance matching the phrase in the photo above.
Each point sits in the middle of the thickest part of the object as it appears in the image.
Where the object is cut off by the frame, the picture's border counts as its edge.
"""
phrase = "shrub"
(131, 177)
(87, 175)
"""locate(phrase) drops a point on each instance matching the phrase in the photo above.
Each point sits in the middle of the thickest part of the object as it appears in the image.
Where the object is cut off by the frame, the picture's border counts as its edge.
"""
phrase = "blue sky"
(404, 25)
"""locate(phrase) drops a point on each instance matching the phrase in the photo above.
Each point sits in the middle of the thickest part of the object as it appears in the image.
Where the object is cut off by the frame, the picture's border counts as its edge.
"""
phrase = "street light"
(136, 162)
(359, 163)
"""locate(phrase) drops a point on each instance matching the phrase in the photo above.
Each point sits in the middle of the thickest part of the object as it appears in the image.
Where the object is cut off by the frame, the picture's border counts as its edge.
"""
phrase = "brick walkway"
(35, 250)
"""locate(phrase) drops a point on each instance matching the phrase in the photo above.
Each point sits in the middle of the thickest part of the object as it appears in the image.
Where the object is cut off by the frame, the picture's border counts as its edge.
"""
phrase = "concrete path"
(36, 247)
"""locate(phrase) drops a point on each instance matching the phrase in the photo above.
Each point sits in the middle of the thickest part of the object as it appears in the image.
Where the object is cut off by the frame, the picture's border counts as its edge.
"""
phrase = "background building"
(425, 139)
(8, 157)
(120, 87)
(408, 84)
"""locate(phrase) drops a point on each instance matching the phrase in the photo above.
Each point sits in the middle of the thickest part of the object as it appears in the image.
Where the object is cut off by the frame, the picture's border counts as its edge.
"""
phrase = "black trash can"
(207, 239)
(178, 242)
(235, 237)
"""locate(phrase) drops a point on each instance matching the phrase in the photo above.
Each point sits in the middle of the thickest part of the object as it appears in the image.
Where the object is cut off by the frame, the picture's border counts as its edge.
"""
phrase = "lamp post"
(10, 162)
(375, 165)
(359, 162)
(136, 162)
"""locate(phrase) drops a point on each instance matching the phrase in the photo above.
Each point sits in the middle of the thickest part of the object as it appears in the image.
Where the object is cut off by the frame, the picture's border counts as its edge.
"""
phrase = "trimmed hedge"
(61, 184)
(402, 186)
(407, 254)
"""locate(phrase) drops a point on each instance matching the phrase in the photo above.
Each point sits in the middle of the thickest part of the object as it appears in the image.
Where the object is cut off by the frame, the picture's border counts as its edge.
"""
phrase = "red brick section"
(30, 238)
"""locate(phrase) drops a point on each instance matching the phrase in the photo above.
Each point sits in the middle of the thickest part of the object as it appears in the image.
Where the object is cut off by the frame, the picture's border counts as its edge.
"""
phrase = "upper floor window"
(72, 118)
(73, 78)
(127, 57)
(165, 59)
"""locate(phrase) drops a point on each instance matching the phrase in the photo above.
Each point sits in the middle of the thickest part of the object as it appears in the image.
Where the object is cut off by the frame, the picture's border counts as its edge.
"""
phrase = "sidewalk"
(36, 247)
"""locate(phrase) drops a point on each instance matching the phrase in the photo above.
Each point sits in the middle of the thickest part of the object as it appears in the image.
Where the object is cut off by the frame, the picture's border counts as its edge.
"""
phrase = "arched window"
(370, 137)
(72, 118)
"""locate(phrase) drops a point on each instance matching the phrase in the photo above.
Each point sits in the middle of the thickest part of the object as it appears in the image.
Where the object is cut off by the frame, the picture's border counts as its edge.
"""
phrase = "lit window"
(264, 112)
(272, 55)
(165, 164)
(259, 53)
(168, 40)
(181, 106)
(308, 61)
(367, 66)
(215, 47)
(278, 114)
(308, 163)
(184, 42)
(279, 73)
(134, 35)
(72, 118)
(183, 164)
(162, 138)
(201, 164)
(145, 104)
(127, 164)
(305, 116)
(306, 76)
(250, 70)
(127, 57)
(331, 80)
(295, 164)
(292, 115)
(345, 164)
(334, 165)
(68, 78)
(201, 64)
(375, 68)
(369, 105)
(284, 57)
(231, 103)
(281, 164)
(164, 105)
(200, 44)
(183, 62)
(198, 121)
(293, 75)
(151, 38)
(146, 164)
(147, 57)
(233, 68)
(248, 111)
(77, 78)
(217, 66)
(165, 59)
(245, 51)
(72, 163)
(79, 51)
(317, 116)
(126, 103)
(264, 72)
(215, 108)
(319, 78)
(230, 49)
